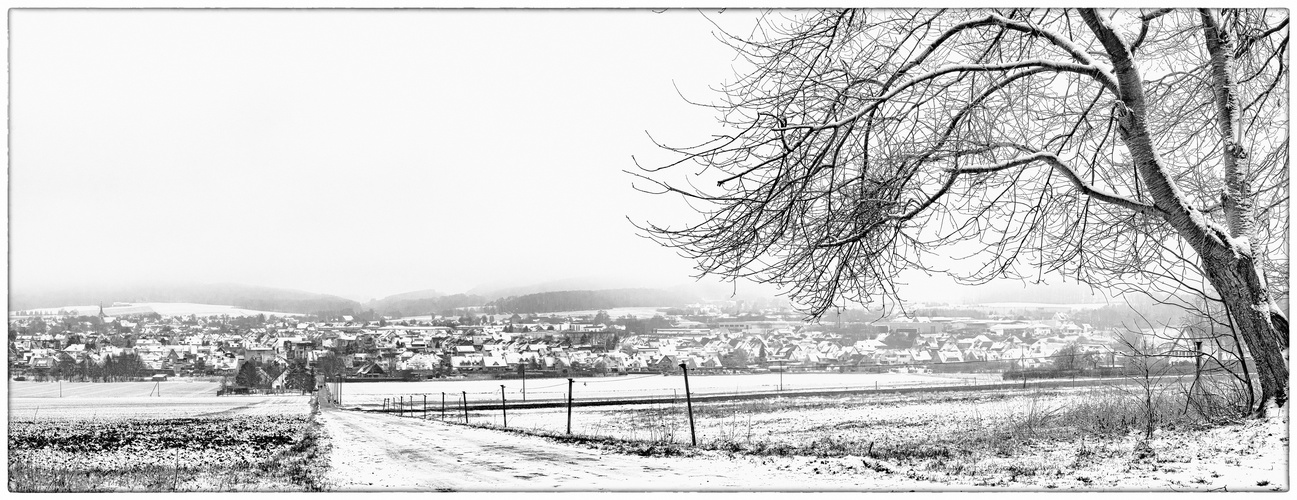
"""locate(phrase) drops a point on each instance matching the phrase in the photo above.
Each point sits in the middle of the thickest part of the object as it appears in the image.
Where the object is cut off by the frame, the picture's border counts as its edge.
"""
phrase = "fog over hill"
(415, 295)
(230, 294)
(564, 294)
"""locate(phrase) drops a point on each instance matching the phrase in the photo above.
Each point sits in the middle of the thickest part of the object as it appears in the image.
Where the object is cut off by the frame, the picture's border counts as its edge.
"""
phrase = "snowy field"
(127, 408)
(1010, 439)
(174, 387)
(118, 437)
(129, 400)
(371, 394)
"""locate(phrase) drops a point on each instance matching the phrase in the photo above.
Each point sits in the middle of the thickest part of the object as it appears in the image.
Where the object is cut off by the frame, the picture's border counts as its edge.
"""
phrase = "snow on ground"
(385, 452)
(125, 400)
(123, 408)
(961, 430)
(181, 387)
(375, 452)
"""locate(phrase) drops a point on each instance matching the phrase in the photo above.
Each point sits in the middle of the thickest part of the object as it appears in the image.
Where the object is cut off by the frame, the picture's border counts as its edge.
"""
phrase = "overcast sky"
(359, 153)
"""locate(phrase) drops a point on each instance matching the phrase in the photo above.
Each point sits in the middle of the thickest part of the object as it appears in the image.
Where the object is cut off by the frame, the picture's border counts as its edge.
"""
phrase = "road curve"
(376, 452)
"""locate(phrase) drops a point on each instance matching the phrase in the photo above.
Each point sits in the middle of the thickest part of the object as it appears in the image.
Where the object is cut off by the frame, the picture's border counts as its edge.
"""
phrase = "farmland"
(117, 439)
(370, 395)
(109, 437)
(1068, 438)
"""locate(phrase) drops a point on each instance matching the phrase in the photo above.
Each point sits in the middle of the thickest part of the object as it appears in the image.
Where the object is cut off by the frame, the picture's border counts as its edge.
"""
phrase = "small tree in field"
(1137, 150)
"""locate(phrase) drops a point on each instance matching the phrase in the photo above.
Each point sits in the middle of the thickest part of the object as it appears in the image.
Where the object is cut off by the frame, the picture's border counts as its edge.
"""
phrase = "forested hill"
(589, 300)
(244, 296)
(403, 305)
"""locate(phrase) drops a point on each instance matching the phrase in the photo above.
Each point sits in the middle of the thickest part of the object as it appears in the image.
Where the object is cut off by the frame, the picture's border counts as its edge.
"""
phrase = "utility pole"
(693, 438)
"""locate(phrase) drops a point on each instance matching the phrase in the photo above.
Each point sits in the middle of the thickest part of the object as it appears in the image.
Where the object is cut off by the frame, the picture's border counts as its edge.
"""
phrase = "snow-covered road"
(375, 452)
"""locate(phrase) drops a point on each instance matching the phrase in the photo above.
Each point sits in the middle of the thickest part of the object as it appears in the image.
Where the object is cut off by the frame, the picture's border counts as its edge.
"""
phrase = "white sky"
(359, 153)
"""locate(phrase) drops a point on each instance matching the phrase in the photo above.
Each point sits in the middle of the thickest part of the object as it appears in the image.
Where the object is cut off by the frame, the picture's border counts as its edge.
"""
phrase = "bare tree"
(1130, 146)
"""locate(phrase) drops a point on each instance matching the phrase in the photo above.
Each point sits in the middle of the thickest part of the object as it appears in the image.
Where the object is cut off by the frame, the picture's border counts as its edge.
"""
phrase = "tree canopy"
(1132, 150)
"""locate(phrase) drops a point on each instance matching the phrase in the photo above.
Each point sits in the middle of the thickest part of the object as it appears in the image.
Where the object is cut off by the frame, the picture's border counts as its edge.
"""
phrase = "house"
(1046, 347)
(667, 364)
(371, 370)
(950, 354)
(494, 363)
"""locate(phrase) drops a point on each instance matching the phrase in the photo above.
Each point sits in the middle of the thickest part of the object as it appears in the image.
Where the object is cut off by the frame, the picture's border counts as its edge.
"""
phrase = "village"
(42, 346)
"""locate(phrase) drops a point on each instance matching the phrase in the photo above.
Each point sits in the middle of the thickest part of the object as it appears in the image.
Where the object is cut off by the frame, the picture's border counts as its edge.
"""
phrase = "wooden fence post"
(569, 406)
(693, 438)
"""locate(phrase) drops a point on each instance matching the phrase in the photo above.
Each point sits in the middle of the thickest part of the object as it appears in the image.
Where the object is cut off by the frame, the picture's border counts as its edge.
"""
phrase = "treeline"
(583, 300)
(121, 368)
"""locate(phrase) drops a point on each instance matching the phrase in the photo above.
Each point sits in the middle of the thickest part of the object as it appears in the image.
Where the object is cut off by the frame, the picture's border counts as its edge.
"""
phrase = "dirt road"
(374, 452)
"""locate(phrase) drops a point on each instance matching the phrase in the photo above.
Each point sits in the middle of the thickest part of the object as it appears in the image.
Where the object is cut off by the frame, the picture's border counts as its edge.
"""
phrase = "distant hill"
(697, 290)
(581, 300)
(242, 296)
(413, 304)
(499, 291)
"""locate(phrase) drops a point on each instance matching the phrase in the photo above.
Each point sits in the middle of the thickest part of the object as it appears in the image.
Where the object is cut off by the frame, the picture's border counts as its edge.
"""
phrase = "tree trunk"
(1227, 254)
(1236, 278)
(1234, 270)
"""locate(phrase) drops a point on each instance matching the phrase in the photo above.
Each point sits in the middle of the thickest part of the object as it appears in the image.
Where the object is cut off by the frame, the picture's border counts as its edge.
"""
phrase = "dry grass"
(998, 437)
